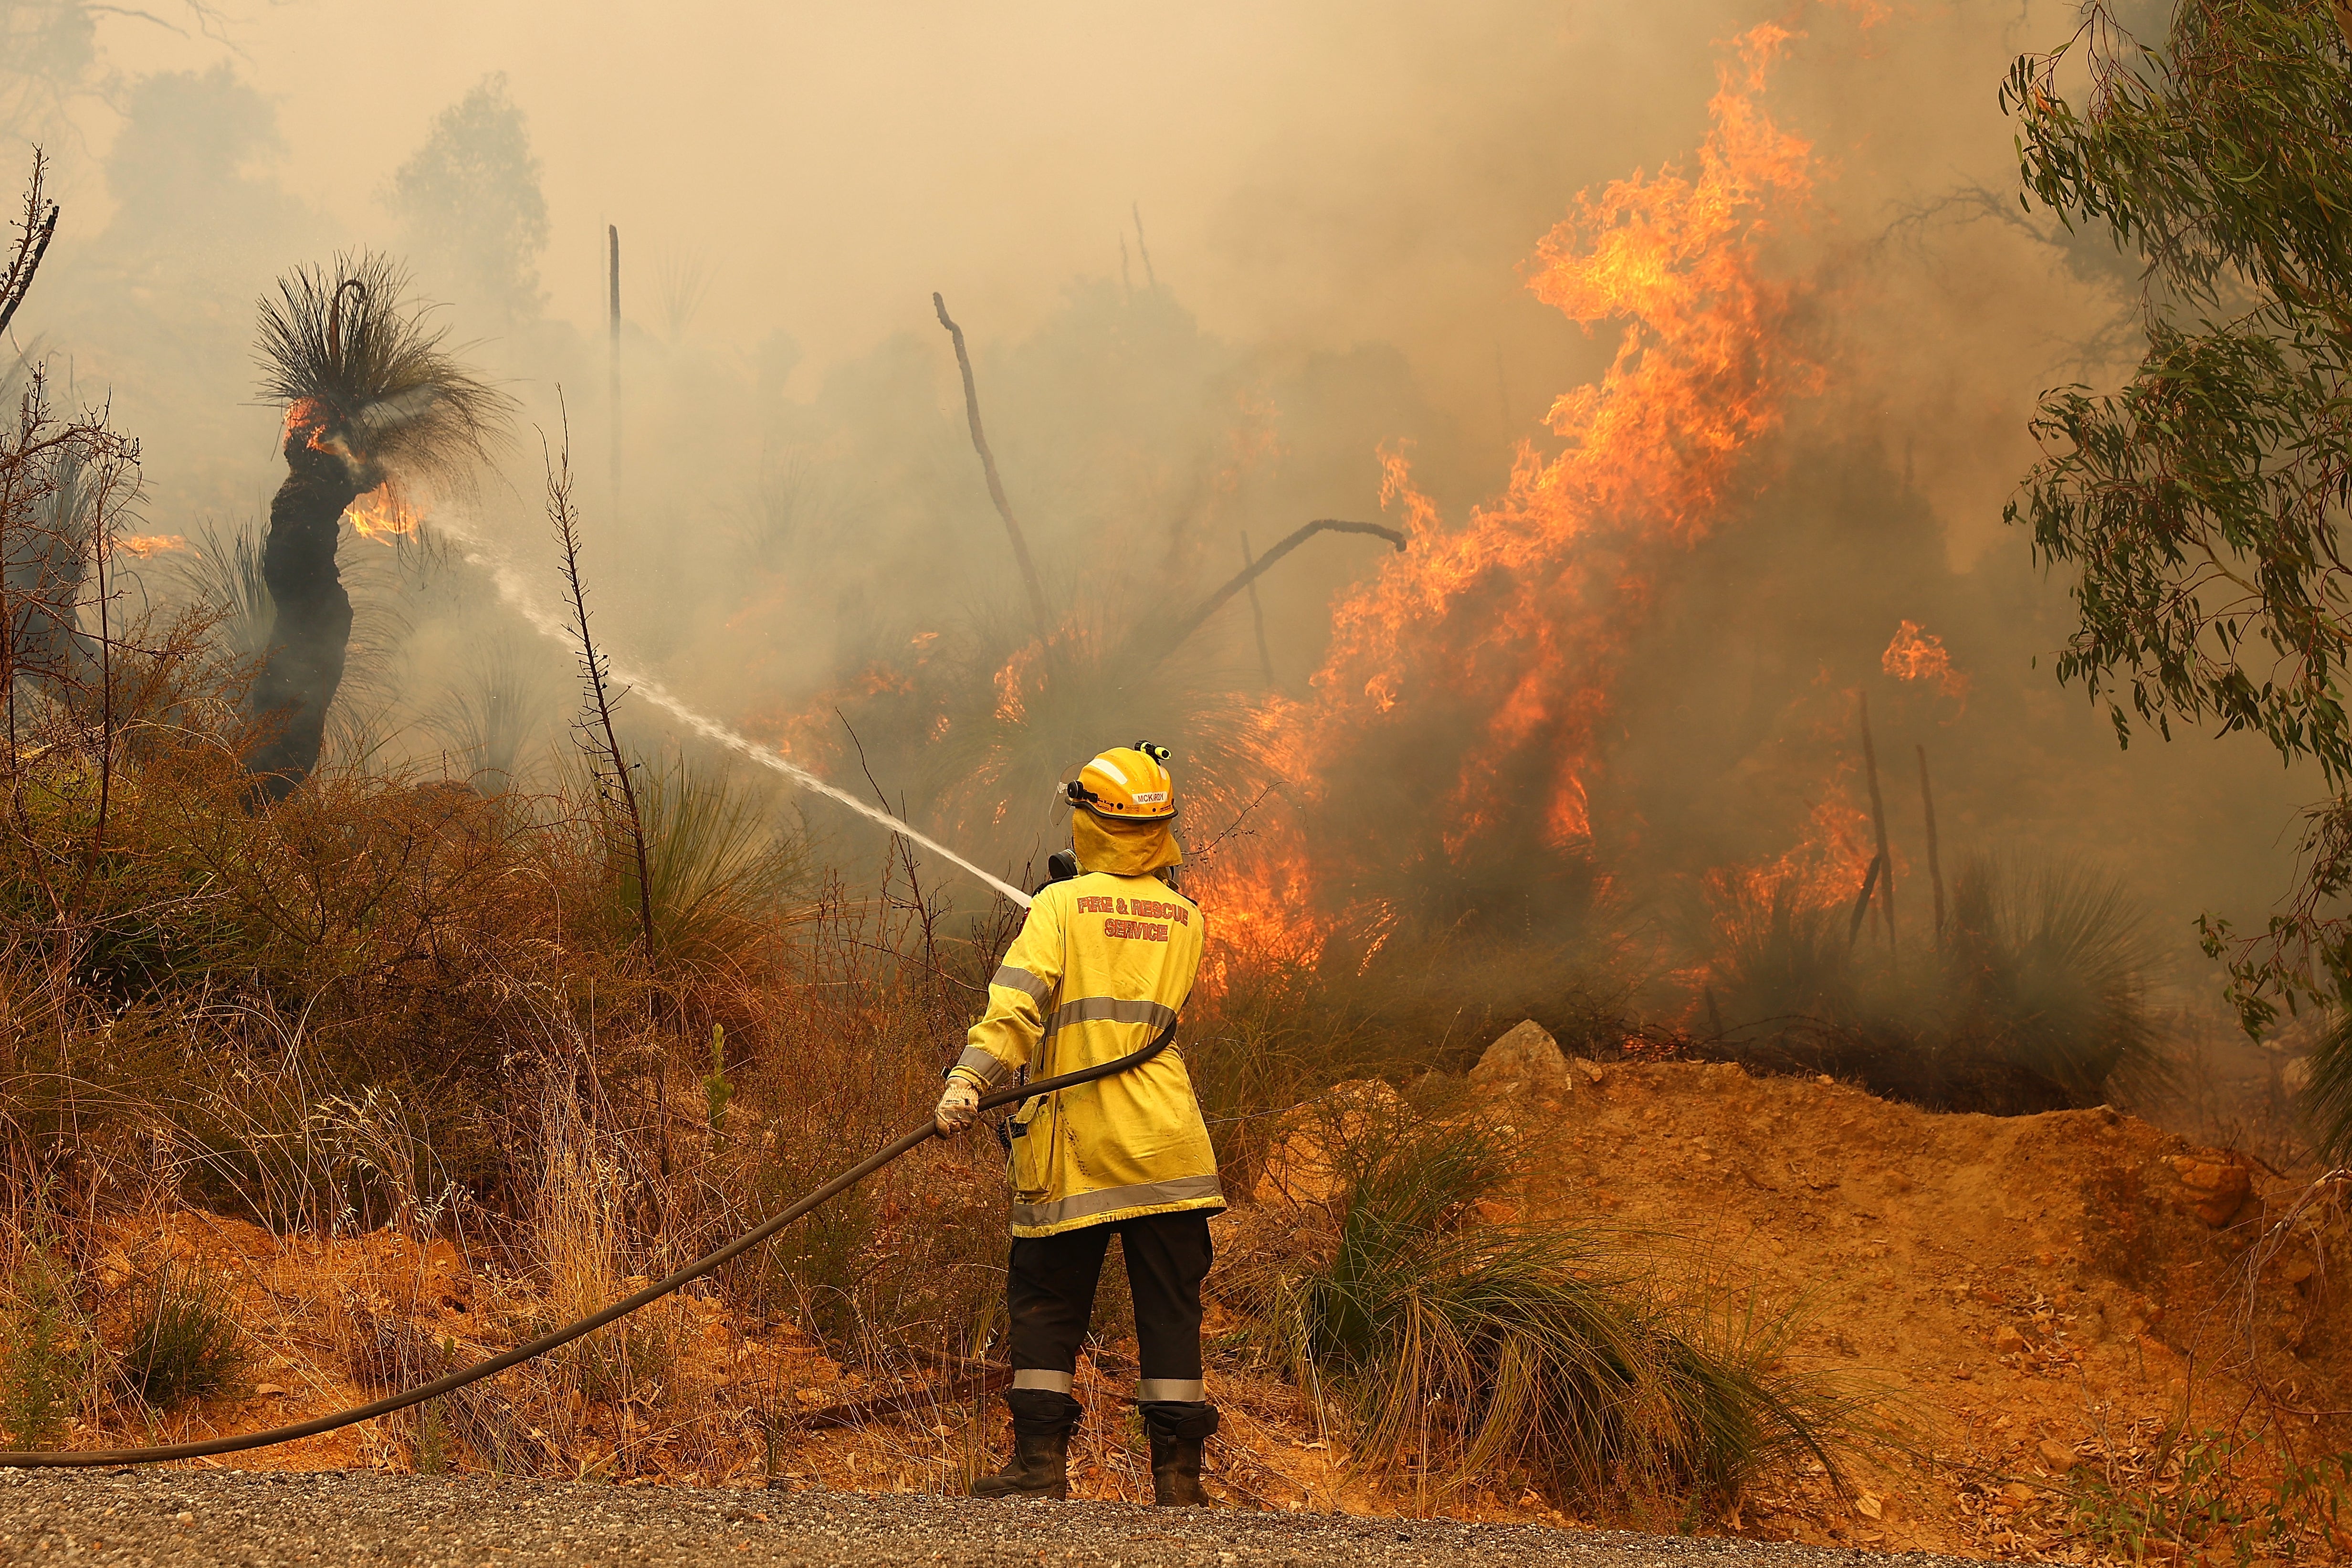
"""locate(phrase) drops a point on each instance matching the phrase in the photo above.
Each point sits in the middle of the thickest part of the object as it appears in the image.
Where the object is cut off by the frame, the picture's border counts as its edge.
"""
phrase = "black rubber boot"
(1043, 1420)
(1178, 1432)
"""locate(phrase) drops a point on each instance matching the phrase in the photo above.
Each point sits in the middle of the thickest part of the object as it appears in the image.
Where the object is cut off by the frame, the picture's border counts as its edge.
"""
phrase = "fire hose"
(559, 1338)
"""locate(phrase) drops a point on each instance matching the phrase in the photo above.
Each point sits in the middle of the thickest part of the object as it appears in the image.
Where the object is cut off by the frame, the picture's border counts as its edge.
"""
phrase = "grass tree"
(371, 398)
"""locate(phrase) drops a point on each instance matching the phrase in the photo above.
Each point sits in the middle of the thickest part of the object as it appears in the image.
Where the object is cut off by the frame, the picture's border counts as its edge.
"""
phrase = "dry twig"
(34, 232)
(595, 677)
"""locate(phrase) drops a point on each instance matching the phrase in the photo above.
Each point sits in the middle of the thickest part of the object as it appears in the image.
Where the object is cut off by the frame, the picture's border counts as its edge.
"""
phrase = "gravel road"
(277, 1517)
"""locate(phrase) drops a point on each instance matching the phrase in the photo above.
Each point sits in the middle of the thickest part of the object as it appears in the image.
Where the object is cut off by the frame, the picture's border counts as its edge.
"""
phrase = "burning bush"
(2035, 998)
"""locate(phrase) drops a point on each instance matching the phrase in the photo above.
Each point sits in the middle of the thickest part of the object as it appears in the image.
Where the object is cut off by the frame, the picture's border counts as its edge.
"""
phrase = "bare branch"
(1255, 569)
(995, 484)
(34, 231)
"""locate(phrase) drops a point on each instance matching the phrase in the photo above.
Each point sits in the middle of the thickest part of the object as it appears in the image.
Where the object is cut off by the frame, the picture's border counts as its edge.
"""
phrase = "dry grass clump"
(1470, 1347)
(858, 1042)
(182, 1342)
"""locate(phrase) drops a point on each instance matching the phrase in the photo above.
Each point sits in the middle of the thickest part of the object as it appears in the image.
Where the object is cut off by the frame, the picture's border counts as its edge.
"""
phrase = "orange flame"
(1495, 644)
(310, 414)
(1468, 691)
(1009, 679)
(143, 545)
(1917, 655)
(1826, 866)
(382, 514)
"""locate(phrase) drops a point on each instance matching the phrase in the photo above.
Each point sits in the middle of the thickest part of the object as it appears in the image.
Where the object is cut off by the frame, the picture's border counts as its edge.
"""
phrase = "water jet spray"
(519, 596)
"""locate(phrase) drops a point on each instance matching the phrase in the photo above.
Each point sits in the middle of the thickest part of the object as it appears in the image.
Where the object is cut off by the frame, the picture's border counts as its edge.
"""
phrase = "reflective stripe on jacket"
(1100, 967)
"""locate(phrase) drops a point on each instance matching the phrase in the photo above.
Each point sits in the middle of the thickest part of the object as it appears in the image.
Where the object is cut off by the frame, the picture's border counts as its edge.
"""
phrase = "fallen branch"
(988, 466)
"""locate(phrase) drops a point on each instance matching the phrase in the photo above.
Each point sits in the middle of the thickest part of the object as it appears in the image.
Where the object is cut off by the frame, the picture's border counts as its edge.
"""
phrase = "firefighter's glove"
(958, 1107)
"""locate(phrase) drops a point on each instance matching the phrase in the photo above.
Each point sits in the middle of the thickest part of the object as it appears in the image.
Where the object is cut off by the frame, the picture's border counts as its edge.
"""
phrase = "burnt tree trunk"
(312, 632)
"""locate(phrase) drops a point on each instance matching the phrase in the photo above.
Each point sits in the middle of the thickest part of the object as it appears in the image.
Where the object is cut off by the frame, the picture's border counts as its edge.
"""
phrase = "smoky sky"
(1338, 203)
(1321, 173)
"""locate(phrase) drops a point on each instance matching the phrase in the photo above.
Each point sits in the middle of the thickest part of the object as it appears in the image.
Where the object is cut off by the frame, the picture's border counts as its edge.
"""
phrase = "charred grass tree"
(371, 397)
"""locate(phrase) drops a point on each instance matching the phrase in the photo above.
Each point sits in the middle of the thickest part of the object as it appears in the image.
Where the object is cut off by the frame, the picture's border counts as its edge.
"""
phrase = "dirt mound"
(2033, 1291)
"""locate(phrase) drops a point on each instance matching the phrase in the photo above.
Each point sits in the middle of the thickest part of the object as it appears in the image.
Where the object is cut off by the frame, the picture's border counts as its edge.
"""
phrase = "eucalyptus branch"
(2223, 159)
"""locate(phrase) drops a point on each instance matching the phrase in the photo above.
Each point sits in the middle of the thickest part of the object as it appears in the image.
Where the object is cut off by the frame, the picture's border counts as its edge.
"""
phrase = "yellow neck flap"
(1123, 848)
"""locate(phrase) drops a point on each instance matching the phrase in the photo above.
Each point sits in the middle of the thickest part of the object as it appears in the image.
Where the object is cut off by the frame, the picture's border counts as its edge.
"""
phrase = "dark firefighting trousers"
(1050, 1290)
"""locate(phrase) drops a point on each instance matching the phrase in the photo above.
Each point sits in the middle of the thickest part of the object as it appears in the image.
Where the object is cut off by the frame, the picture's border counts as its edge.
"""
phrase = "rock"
(2056, 1457)
(2215, 1183)
(1525, 1057)
(2006, 1339)
(268, 1390)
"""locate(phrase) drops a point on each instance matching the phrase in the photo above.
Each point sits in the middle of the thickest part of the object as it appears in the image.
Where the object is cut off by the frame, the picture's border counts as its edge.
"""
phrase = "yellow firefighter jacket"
(1100, 967)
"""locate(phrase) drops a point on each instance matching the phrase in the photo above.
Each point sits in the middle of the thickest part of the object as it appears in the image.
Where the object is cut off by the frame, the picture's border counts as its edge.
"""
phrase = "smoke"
(515, 587)
(1343, 206)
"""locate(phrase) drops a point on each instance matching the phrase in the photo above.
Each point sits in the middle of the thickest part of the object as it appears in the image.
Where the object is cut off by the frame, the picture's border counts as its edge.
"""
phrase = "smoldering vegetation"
(586, 996)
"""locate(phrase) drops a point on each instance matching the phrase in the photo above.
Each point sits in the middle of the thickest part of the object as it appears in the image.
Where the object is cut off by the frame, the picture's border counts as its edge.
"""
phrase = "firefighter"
(1100, 968)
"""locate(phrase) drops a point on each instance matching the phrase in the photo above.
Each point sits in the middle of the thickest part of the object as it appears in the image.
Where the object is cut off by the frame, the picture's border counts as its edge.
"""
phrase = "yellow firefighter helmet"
(1130, 783)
